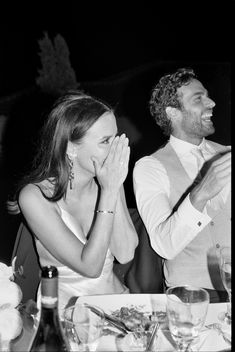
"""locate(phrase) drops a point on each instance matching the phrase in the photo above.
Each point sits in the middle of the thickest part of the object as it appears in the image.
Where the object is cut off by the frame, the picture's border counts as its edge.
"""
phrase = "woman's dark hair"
(165, 94)
(70, 118)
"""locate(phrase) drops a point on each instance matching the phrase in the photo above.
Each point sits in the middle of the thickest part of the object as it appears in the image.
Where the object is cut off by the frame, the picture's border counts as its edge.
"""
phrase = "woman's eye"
(106, 141)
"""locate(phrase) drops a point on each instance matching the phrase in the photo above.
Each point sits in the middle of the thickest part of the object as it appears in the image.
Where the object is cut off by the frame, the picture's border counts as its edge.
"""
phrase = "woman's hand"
(113, 171)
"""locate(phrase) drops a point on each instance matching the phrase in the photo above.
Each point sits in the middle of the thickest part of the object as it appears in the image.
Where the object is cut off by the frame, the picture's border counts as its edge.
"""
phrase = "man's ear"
(71, 150)
(172, 113)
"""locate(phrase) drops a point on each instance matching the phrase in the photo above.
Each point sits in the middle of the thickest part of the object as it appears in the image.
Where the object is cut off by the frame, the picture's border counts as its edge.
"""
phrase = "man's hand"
(218, 175)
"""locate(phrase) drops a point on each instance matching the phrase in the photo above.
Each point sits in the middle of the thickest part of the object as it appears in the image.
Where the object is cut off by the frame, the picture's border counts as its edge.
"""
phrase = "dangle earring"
(71, 173)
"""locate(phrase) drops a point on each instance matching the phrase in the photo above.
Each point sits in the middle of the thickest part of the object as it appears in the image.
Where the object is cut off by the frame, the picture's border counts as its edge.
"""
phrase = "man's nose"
(210, 103)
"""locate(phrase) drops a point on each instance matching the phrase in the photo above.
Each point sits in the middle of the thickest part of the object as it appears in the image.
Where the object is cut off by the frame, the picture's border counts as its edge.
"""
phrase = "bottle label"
(49, 301)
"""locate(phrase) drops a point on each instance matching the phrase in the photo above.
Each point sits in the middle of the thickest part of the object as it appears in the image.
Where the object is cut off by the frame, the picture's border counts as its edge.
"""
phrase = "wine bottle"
(49, 335)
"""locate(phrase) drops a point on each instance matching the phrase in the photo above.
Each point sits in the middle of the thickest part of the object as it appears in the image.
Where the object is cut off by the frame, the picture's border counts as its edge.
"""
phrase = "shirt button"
(217, 245)
(212, 223)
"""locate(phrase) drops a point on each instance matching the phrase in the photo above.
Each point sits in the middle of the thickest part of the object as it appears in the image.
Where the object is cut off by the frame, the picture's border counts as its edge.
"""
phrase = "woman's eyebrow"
(109, 136)
(106, 137)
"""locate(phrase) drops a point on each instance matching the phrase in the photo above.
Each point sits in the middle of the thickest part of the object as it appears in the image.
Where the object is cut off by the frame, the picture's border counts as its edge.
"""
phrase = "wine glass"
(186, 311)
(83, 327)
(225, 271)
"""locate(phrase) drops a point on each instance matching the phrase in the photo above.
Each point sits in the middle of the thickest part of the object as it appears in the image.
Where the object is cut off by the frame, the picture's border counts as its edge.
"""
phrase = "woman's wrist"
(111, 194)
(108, 201)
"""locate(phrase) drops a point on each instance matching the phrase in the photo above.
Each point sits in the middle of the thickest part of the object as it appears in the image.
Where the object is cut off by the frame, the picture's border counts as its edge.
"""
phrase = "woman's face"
(97, 142)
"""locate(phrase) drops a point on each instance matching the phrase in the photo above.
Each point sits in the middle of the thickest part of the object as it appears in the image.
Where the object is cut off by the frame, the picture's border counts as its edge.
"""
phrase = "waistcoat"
(198, 263)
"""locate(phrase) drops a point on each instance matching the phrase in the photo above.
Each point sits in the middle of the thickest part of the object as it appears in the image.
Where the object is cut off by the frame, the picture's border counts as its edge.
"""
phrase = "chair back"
(145, 273)
(27, 265)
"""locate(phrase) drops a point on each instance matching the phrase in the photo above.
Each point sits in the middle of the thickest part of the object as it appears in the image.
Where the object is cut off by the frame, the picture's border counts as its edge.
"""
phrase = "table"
(210, 340)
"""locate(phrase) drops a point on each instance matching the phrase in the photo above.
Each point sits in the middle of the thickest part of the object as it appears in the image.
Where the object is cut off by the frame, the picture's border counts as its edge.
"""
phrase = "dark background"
(118, 57)
(107, 39)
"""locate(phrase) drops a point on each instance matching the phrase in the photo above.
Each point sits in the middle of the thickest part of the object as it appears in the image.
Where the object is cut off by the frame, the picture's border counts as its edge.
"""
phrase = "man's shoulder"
(164, 151)
(144, 160)
(147, 162)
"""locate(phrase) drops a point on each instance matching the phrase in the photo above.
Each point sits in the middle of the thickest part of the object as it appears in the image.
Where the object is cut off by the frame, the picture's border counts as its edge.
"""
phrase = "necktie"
(199, 158)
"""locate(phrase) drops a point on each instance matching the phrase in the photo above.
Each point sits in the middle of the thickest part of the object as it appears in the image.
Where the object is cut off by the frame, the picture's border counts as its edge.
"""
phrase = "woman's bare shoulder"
(44, 187)
(35, 192)
(29, 193)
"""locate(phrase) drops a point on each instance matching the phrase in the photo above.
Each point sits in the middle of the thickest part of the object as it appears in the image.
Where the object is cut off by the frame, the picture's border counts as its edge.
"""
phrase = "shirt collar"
(182, 147)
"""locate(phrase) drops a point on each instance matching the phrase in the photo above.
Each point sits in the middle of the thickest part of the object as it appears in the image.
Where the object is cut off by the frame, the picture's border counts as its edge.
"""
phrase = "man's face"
(195, 122)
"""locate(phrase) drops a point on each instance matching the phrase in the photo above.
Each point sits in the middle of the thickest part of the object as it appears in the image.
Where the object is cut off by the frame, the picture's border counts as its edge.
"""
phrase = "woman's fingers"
(118, 150)
(121, 149)
(112, 151)
(114, 169)
(127, 156)
(124, 150)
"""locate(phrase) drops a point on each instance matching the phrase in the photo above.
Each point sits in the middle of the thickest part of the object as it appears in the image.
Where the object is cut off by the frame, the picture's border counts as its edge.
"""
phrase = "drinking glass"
(186, 311)
(225, 271)
(83, 327)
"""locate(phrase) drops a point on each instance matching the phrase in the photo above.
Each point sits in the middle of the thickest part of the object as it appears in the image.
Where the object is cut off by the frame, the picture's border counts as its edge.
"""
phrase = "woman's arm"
(45, 221)
(124, 238)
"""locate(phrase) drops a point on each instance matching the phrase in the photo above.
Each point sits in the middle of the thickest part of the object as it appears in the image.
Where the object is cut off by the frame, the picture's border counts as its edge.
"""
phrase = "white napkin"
(210, 340)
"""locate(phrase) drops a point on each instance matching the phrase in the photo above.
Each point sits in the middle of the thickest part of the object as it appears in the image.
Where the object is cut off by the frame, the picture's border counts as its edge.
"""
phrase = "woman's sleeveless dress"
(72, 284)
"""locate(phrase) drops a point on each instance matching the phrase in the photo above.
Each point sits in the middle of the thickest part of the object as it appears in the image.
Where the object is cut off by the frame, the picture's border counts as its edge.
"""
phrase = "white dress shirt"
(170, 234)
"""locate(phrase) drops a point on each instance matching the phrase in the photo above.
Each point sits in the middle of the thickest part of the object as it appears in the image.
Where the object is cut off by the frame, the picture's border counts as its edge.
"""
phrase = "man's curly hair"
(165, 94)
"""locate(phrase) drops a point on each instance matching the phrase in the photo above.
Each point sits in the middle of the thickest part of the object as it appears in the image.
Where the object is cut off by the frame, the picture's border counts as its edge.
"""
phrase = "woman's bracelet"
(105, 211)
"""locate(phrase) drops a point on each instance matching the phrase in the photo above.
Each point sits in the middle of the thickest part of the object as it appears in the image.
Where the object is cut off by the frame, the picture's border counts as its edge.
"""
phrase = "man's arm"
(169, 232)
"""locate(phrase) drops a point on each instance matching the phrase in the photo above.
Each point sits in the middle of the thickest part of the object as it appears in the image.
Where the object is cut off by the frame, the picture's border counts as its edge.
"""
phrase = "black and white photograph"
(115, 178)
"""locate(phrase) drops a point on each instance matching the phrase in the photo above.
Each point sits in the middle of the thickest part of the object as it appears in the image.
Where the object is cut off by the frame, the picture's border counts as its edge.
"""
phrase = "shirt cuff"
(191, 216)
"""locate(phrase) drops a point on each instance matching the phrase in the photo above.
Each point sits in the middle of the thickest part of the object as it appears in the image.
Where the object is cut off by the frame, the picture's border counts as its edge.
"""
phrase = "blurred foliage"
(56, 75)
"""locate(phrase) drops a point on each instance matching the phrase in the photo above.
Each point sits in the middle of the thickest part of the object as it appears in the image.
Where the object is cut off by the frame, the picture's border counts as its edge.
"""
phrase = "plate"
(146, 303)
(143, 302)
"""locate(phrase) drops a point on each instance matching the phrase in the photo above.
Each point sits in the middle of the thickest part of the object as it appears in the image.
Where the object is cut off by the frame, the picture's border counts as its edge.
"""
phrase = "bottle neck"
(49, 314)
(49, 293)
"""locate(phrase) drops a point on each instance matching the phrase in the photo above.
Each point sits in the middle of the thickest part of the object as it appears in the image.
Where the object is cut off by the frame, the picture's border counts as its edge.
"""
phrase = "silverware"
(152, 337)
(218, 328)
(113, 321)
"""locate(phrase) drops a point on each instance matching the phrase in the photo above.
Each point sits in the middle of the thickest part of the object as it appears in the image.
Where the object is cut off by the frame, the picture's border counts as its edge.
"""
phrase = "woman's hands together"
(113, 171)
